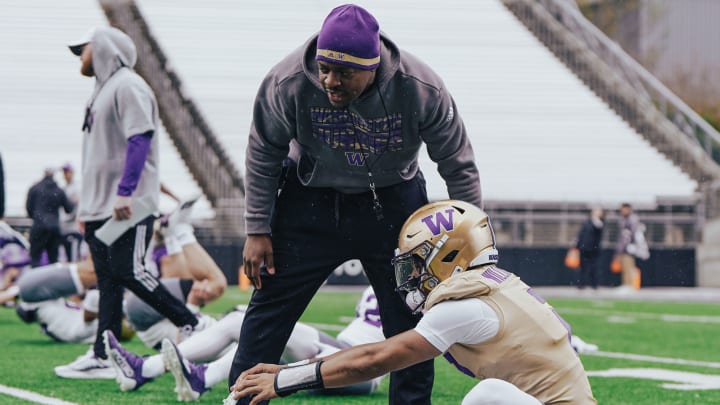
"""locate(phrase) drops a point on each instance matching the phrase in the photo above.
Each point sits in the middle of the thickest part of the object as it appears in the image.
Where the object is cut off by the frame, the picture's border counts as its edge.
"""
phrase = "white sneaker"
(582, 346)
(189, 377)
(182, 213)
(204, 322)
(87, 366)
(230, 400)
(624, 290)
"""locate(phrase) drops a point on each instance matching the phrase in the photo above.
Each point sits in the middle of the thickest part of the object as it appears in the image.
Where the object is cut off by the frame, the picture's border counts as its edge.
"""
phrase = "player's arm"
(353, 365)
(210, 280)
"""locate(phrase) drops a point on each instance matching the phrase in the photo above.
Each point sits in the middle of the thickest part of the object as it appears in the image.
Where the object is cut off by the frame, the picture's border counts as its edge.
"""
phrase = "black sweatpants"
(314, 231)
(44, 240)
(121, 265)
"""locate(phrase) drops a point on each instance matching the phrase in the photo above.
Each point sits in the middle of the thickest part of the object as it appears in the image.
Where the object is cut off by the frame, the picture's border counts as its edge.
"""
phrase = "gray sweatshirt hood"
(112, 50)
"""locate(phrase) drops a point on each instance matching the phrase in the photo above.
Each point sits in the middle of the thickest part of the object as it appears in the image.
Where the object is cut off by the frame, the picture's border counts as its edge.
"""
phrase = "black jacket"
(589, 238)
(44, 201)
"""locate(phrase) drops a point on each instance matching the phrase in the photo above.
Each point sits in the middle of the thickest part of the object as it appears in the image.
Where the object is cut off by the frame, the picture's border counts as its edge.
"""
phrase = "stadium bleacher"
(538, 132)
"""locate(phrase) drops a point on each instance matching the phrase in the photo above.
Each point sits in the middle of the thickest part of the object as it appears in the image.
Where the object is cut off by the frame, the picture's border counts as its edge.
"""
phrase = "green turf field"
(674, 347)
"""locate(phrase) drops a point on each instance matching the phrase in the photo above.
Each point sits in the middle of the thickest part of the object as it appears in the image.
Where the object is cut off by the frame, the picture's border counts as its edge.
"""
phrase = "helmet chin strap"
(415, 300)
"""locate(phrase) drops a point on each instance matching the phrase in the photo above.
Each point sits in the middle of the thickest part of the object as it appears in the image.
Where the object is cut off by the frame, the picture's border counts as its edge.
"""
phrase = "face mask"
(415, 300)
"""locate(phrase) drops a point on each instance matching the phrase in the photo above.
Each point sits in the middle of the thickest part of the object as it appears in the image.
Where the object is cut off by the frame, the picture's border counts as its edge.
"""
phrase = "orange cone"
(243, 280)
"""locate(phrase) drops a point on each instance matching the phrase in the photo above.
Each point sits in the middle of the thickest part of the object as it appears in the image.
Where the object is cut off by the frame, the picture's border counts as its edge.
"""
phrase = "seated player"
(57, 280)
(175, 253)
(14, 259)
(483, 319)
(218, 343)
(48, 291)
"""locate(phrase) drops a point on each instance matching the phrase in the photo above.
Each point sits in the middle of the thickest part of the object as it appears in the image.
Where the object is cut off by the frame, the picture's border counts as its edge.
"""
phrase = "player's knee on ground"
(493, 391)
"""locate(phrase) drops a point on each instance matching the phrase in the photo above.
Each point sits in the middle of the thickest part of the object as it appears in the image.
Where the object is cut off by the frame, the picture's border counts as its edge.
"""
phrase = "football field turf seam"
(641, 315)
(32, 396)
(654, 359)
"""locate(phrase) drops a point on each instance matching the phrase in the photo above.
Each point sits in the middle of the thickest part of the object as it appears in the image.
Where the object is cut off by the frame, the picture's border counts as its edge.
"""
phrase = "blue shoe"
(128, 366)
(189, 377)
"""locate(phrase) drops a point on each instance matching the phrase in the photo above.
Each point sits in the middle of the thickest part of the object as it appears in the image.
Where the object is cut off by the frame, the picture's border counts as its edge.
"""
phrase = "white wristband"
(299, 363)
(292, 379)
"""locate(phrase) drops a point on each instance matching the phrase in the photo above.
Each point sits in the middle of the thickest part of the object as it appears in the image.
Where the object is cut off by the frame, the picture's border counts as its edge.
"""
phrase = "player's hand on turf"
(122, 210)
(258, 381)
(258, 250)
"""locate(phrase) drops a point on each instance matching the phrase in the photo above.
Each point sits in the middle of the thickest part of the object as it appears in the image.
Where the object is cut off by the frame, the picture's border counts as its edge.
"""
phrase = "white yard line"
(640, 315)
(32, 396)
(654, 359)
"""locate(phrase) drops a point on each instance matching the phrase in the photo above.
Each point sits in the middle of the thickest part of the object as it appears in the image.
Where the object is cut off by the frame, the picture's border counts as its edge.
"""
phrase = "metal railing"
(557, 224)
(656, 113)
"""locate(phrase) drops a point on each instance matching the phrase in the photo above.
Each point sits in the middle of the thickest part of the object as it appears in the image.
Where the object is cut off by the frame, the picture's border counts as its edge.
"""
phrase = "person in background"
(628, 225)
(44, 201)
(589, 242)
(332, 173)
(14, 260)
(120, 181)
(69, 228)
(484, 320)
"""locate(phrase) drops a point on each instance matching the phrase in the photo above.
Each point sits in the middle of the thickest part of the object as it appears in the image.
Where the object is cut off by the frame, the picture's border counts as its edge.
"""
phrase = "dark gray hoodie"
(407, 106)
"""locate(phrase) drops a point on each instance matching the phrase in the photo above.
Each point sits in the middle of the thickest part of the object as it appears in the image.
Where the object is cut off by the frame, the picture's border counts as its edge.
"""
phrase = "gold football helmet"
(439, 240)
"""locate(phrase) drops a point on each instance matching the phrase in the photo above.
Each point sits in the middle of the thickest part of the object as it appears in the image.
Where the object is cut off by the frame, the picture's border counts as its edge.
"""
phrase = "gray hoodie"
(121, 105)
(385, 128)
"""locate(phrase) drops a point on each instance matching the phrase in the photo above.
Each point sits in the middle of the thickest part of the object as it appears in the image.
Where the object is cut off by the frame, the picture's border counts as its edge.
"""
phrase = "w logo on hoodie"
(356, 159)
(436, 223)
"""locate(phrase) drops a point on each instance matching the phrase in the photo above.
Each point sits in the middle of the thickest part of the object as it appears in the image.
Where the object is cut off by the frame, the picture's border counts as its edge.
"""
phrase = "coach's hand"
(258, 250)
(122, 210)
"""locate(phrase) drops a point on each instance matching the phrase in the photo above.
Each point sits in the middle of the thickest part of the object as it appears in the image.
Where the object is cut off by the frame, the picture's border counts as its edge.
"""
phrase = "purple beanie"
(350, 36)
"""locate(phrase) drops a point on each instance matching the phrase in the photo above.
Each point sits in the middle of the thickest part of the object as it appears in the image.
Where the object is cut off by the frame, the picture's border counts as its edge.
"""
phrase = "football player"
(14, 259)
(483, 319)
(219, 342)
(187, 271)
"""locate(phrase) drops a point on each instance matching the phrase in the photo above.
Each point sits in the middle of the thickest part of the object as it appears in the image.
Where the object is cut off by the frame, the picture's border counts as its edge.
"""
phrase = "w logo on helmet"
(356, 159)
(441, 220)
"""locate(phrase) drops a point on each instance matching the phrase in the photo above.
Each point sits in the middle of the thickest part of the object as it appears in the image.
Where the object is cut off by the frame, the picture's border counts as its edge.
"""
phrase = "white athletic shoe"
(230, 400)
(582, 346)
(204, 322)
(128, 366)
(182, 213)
(189, 377)
(87, 366)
